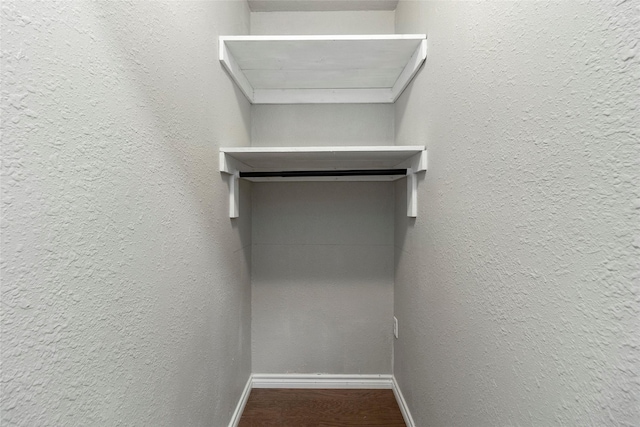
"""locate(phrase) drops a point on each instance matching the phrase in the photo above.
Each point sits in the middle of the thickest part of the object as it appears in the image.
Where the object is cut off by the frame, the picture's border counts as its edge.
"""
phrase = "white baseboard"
(404, 408)
(235, 418)
(321, 381)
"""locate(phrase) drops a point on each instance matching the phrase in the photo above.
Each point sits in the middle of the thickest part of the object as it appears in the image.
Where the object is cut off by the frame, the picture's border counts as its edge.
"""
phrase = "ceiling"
(320, 5)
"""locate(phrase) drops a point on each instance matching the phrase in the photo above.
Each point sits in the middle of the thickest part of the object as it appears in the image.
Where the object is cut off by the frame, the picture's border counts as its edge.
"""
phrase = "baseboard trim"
(404, 408)
(322, 381)
(237, 414)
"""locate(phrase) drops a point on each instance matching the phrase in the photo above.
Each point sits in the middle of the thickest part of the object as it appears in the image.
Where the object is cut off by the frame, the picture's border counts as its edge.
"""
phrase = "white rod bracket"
(232, 167)
(412, 194)
(414, 165)
(234, 195)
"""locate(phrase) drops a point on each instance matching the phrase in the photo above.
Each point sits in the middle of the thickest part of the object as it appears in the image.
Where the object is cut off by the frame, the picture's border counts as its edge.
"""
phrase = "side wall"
(125, 287)
(517, 285)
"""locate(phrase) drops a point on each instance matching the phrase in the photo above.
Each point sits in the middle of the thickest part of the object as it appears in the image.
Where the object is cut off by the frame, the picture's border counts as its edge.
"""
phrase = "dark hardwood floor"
(321, 408)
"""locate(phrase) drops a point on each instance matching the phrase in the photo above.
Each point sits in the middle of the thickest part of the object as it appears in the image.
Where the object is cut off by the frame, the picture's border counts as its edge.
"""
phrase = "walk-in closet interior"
(201, 198)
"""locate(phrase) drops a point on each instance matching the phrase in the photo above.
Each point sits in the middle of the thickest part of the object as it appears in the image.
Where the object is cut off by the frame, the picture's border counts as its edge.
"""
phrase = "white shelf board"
(235, 160)
(323, 69)
(251, 159)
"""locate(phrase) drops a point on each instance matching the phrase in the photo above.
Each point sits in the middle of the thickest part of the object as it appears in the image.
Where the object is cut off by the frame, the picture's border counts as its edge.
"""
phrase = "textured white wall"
(517, 285)
(125, 288)
(322, 277)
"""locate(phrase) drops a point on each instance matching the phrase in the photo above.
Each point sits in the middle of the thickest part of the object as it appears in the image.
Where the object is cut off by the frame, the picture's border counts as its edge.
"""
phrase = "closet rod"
(297, 174)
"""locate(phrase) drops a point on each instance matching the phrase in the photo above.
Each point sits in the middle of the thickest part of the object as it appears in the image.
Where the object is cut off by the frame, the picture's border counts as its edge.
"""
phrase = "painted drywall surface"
(125, 286)
(517, 287)
(322, 125)
(342, 22)
(322, 277)
(322, 254)
(320, 5)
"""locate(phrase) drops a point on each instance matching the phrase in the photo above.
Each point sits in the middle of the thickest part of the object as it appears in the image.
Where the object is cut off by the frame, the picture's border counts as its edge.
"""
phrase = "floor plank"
(321, 408)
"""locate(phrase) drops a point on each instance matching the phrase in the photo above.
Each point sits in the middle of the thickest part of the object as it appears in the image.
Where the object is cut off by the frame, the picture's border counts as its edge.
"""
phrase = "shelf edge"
(332, 37)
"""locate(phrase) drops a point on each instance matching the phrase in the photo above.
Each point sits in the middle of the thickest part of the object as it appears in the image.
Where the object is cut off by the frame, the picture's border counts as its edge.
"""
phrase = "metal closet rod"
(350, 172)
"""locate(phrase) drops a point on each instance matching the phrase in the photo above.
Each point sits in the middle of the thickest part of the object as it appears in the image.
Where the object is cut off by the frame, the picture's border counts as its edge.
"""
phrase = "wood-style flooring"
(321, 408)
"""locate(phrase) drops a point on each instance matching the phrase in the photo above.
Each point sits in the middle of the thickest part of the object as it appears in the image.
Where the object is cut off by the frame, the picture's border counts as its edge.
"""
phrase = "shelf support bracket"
(232, 67)
(232, 167)
(234, 195)
(412, 194)
(417, 163)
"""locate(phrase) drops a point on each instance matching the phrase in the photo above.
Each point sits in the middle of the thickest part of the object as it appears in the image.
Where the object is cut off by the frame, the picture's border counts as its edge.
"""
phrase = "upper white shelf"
(323, 69)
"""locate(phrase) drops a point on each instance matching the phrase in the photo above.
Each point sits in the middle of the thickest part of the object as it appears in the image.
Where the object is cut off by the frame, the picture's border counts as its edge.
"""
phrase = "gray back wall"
(322, 277)
(322, 124)
(322, 272)
(328, 22)
(517, 285)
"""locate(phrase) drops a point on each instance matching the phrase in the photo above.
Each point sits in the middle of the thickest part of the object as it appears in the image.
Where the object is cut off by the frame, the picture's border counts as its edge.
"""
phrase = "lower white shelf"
(361, 163)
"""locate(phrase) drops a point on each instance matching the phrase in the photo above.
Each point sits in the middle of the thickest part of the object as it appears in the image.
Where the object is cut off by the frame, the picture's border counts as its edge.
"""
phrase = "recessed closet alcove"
(324, 169)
